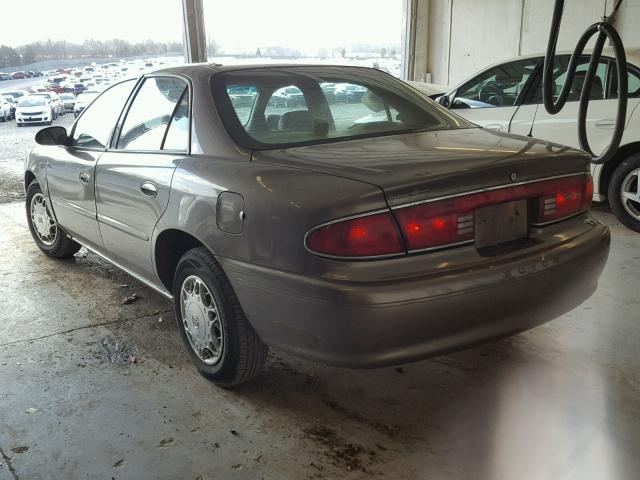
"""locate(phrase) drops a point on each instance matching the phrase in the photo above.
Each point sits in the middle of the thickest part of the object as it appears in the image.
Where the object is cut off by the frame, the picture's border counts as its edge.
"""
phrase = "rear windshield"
(279, 107)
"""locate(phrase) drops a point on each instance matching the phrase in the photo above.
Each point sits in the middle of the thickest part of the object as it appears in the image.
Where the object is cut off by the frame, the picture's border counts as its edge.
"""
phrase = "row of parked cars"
(41, 107)
(19, 75)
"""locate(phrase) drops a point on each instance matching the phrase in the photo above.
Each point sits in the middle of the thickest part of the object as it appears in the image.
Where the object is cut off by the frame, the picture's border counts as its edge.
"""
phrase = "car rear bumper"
(378, 324)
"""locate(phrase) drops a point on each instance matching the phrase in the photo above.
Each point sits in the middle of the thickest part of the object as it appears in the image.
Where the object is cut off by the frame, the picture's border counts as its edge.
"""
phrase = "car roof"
(632, 53)
(188, 68)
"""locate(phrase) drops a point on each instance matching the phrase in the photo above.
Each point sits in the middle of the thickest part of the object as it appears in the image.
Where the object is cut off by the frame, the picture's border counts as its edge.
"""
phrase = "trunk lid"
(420, 166)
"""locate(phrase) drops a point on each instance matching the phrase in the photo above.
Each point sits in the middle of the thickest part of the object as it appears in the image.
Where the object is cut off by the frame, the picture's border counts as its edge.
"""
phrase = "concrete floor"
(559, 402)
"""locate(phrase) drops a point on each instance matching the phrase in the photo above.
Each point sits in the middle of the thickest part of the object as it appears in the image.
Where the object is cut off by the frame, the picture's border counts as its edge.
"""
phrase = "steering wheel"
(491, 93)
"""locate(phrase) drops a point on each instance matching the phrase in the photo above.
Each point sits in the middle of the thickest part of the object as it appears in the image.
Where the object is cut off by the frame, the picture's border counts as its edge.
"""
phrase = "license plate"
(501, 223)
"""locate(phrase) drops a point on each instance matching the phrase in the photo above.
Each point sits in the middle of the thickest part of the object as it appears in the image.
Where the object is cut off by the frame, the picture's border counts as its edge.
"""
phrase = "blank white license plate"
(501, 223)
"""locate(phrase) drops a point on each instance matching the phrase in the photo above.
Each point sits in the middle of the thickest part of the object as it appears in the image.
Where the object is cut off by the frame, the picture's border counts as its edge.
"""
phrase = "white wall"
(465, 36)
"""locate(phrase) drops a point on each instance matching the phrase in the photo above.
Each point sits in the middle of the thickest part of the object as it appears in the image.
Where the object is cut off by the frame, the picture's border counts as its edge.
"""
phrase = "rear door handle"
(149, 189)
(606, 123)
(85, 177)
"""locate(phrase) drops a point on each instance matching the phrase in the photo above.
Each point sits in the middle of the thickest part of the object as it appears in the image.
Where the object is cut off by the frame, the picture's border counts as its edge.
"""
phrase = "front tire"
(624, 192)
(219, 339)
(48, 235)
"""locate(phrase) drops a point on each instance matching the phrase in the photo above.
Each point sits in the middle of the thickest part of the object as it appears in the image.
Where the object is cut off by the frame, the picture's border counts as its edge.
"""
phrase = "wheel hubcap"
(43, 223)
(630, 193)
(200, 320)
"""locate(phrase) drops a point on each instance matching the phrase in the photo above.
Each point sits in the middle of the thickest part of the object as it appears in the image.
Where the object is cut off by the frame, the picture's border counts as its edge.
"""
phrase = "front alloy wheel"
(630, 193)
(44, 225)
(46, 232)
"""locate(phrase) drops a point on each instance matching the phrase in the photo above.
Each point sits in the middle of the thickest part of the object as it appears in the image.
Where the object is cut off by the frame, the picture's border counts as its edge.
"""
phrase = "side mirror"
(52, 136)
(443, 100)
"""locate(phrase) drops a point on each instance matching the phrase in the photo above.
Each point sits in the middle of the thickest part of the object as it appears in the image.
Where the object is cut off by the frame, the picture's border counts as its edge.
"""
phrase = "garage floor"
(562, 401)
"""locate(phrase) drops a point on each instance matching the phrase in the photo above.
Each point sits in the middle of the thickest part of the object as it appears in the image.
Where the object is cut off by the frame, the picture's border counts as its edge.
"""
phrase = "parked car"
(355, 244)
(287, 97)
(54, 100)
(242, 96)
(18, 75)
(83, 100)
(508, 97)
(16, 94)
(12, 104)
(5, 76)
(5, 109)
(348, 93)
(33, 109)
(68, 101)
(78, 88)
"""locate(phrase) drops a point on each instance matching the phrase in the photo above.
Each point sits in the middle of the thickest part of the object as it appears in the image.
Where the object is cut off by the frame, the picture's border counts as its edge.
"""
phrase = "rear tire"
(624, 192)
(219, 339)
(40, 219)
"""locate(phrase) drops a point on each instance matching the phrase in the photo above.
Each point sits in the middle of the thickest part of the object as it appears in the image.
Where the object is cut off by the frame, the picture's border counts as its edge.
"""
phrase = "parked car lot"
(358, 211)
(508, 97)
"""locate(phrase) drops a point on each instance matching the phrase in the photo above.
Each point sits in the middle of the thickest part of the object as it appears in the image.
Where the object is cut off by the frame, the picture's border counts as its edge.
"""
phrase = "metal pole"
(194, 37)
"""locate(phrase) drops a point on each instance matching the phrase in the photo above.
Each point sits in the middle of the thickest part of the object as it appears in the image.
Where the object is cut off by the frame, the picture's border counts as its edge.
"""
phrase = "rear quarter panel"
(280, 203)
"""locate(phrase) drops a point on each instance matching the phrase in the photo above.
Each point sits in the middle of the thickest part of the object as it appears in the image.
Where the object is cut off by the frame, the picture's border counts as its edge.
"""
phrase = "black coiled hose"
(605, 30)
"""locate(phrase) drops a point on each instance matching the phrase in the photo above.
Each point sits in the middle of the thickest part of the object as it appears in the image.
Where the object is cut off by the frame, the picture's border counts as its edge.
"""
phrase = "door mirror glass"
(443, 100)
(52, 136)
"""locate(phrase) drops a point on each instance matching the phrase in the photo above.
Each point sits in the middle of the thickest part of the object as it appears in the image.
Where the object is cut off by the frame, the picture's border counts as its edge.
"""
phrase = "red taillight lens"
(435, 224)
(564, 197)
(369, 236)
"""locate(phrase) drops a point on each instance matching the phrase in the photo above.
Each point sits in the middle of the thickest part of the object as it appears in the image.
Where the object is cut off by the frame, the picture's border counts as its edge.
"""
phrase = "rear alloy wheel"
(219, 339)
(624, 192)
(49, 237)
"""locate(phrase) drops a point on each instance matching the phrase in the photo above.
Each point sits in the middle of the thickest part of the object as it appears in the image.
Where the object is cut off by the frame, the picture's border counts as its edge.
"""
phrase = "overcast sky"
(301, 24)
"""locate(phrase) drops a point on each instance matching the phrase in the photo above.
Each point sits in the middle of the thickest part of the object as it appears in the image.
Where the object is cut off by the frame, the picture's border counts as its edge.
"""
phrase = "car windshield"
(66, 97)
(287, 107)
(31, 102)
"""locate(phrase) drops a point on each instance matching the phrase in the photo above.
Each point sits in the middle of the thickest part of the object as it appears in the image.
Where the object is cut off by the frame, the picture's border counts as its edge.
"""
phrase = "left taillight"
(367, 236)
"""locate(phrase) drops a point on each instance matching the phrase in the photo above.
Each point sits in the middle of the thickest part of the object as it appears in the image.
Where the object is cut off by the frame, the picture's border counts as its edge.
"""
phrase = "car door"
(134, 175)
(71, 169)
(563, 127)
(491, 98)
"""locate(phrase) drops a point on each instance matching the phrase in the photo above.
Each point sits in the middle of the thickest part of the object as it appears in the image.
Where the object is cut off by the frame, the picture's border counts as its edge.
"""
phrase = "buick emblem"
(513, 176)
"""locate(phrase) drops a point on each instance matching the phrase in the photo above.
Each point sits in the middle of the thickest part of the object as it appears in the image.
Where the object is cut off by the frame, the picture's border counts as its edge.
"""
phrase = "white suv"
(507, 97)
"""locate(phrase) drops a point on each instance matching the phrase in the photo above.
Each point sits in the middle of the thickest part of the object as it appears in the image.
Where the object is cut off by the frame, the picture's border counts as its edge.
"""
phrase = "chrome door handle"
(605, 123)
(85, 177)
(149, 189)
(494, 126)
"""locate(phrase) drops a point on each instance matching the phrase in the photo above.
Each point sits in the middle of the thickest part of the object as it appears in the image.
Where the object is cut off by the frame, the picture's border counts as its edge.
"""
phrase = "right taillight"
(563, 197)
(367, 236)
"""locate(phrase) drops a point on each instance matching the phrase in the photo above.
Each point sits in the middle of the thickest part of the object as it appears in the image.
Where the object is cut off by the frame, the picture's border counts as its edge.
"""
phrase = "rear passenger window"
(151, 113)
